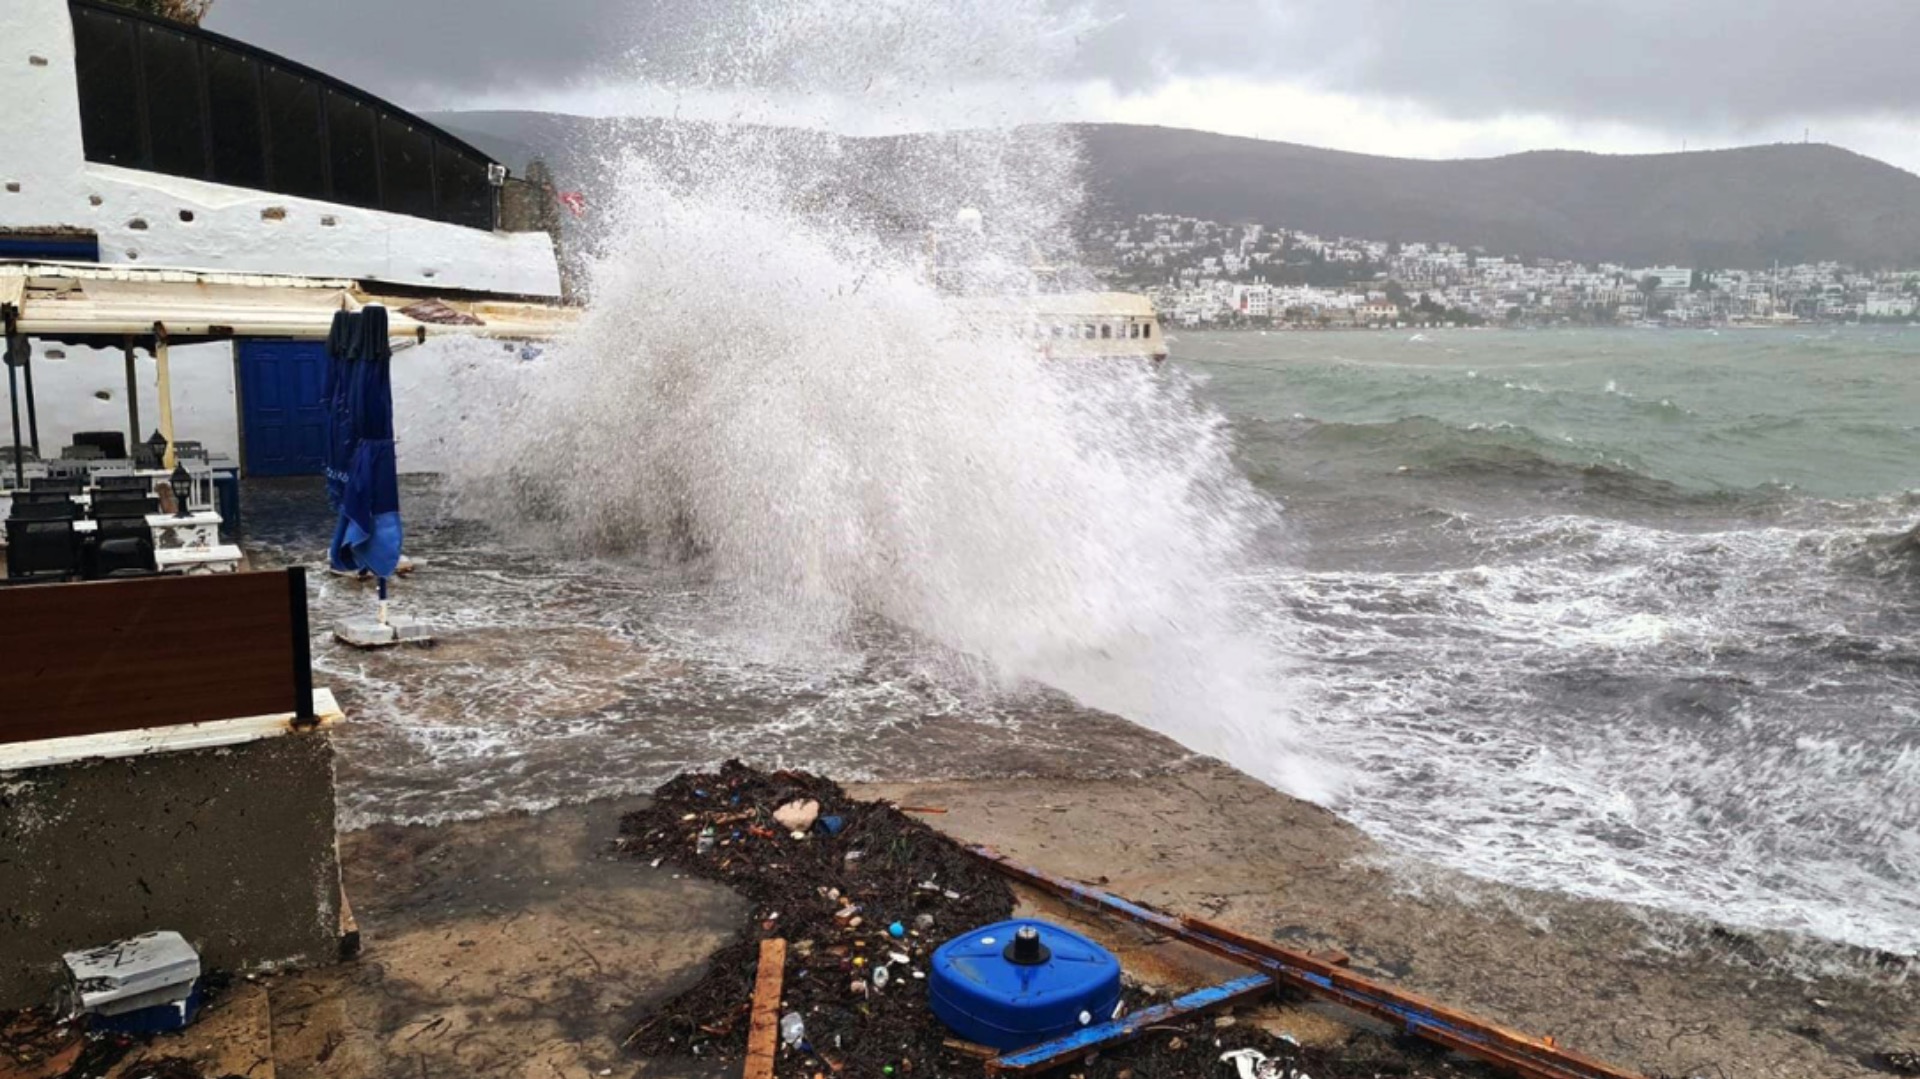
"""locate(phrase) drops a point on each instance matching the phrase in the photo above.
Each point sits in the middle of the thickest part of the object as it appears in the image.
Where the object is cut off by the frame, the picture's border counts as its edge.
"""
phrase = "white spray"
(766, 382)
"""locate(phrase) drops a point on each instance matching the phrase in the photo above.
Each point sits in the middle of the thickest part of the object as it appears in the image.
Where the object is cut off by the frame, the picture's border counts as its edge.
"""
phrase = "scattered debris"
(836, 898)
(1898, 1063)
(1253, 1064)
(40, 1044)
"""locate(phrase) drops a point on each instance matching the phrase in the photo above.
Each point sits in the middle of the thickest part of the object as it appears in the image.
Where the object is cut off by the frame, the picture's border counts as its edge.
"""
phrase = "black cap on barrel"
(1026, 949)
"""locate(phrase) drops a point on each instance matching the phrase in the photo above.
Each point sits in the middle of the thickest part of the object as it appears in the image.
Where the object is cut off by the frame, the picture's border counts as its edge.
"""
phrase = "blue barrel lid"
(990, 999)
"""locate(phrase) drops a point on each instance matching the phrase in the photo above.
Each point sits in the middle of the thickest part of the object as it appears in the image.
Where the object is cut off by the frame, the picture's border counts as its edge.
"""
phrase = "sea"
(1624, 614)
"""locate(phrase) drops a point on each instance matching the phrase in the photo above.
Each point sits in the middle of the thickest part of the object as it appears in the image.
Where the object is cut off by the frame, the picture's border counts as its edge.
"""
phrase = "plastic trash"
(706, 841)
(896, 931)
(1253, 1064)
(831, 825)
(798, 815)
(881, 976)
(793, 1029)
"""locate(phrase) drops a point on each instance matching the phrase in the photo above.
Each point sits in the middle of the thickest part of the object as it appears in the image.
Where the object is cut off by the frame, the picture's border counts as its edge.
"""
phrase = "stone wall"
(233, 848)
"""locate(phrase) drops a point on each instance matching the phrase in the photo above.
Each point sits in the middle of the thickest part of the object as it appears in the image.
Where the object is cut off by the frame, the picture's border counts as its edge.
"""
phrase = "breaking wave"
(770, 388)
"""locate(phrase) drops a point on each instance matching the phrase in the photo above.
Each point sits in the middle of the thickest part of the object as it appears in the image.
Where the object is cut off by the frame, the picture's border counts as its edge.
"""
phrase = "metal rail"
(1062, 1051)
(1525, 1056)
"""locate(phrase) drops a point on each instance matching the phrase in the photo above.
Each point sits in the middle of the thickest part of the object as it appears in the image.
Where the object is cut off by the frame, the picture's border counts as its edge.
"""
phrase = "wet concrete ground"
(521, 947)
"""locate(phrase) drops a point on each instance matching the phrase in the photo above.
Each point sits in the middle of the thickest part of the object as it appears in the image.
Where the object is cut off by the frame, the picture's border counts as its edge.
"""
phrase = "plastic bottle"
(793, 1029)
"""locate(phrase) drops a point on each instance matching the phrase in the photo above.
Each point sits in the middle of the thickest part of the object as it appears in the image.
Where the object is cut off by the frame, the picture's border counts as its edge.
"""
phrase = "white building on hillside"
(1671, 278)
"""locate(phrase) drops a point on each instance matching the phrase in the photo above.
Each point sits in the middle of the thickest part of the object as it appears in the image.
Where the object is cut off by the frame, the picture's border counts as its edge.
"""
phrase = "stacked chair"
(122, 543)
(41, 542)
(44, 546)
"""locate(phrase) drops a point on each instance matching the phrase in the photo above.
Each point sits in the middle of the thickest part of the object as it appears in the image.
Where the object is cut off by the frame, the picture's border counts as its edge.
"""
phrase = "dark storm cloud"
(1645, 61)
(1657, 62)
(436, 51)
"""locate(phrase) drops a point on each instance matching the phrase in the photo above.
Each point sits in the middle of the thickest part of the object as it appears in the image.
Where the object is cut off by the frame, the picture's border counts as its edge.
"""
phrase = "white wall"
(41, 153)
(68, 382)
(430, 382)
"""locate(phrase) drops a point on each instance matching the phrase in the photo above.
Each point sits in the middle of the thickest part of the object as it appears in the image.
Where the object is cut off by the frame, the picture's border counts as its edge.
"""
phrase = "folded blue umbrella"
(340, 347)
(370, 532)
(341, 344)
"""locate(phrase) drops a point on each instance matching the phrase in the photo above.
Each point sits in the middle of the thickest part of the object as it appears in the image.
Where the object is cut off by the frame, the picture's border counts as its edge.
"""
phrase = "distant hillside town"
(1205, 273)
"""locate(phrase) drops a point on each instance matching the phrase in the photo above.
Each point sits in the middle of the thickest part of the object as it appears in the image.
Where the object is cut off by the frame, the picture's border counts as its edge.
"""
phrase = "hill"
(1746, 207)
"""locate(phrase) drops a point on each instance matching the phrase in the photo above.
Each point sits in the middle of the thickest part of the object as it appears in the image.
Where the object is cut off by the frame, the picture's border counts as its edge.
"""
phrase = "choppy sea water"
(1624, 614)
(1620, 613)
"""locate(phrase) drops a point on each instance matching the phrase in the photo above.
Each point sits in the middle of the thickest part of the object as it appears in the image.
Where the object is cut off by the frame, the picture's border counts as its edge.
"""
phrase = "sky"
(1409, 78)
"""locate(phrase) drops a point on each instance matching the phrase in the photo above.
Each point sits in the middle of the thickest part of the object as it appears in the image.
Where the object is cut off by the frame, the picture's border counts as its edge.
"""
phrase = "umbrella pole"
(13, 398)
(33, 411)
(383, 601)
(133, 395)
(166, 393)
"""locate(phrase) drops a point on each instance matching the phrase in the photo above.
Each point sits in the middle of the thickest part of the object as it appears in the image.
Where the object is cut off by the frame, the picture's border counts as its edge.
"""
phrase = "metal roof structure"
(76, 302)
(121, 307)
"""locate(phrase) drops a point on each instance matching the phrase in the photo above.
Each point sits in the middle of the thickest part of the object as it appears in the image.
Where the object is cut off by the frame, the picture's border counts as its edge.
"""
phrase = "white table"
(195, 530)
(197, 561)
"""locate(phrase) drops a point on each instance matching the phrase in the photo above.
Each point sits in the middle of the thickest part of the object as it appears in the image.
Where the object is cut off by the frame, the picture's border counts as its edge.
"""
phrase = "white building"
(159, 144)
(1671, 278)
(132, 141)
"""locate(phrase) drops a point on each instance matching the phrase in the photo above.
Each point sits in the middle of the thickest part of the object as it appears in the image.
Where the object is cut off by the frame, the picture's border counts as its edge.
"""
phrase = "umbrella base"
(372, 633)
(404, 569)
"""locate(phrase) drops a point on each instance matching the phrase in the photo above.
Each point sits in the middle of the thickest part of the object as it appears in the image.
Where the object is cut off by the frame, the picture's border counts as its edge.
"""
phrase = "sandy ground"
(523, 947)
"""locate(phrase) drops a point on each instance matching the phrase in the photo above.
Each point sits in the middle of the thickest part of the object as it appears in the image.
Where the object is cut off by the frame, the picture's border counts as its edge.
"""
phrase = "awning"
(73, 301)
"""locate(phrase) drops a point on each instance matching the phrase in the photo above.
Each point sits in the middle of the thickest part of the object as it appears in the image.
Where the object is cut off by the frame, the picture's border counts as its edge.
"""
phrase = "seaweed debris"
(863, 889)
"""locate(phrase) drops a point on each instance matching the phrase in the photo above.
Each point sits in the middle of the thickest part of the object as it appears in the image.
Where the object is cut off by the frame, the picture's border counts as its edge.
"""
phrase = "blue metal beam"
(1081, 1042)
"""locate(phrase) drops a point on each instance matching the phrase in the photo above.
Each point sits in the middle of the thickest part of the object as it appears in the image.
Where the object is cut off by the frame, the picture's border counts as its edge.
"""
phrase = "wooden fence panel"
(105, 656)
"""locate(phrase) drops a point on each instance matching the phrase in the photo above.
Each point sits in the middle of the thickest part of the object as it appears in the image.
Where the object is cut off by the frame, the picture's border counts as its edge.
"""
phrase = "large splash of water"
(767, 382)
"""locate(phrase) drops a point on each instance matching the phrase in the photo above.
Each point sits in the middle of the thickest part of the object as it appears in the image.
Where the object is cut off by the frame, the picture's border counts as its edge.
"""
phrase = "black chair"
(82, 453)
(42, 551)
(111, 444)
(143, 484)
(123, 504)
(121, 547)
(69, 484)
(186, 448)
(60, 509)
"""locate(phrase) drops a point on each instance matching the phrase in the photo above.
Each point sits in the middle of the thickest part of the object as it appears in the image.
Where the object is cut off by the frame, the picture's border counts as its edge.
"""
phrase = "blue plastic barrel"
(1000, 988)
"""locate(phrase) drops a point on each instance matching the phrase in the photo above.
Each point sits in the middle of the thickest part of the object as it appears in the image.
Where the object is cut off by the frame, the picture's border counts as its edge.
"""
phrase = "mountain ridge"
(1736, 207)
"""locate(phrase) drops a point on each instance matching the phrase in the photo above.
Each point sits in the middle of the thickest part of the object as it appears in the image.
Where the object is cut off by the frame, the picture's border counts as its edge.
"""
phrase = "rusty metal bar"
(1530, 1058)
(1065, 1050)
(1452, 1016)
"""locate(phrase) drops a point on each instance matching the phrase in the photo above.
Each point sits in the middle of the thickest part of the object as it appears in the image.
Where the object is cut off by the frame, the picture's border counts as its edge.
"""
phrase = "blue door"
(283, 416)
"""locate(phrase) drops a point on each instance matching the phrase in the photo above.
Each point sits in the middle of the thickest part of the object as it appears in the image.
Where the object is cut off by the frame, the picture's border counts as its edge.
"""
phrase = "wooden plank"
(1063, 1051)
(763, 1030)
(104, 656)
